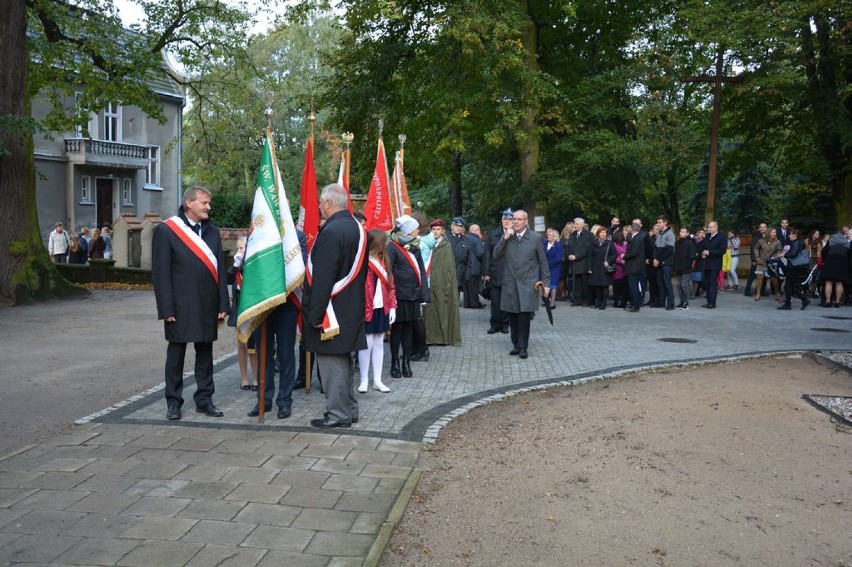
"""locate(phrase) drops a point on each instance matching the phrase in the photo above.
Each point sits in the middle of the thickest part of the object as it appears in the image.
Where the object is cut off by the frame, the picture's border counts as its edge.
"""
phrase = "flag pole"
(261, 379)
(347, 156)
(312, 119)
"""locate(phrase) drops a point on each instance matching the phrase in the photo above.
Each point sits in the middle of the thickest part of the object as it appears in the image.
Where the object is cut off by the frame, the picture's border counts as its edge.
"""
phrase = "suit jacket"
(784, 237)
(332, 256)
(492, 267)
(717, 245)
(185, 289)
(581, 248)
(525, 261)
(634, 258)
(476, 253)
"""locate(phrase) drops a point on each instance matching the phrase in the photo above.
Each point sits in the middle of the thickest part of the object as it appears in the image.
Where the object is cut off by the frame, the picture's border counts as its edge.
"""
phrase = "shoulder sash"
(195, 244)
(408, 255)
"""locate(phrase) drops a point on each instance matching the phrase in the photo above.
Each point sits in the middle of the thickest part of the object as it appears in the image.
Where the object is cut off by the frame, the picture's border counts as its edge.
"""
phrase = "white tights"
(374, 352)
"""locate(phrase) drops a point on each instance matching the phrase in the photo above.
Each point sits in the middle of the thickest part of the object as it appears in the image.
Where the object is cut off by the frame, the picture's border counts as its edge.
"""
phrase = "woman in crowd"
(427, 244)
(767, 248)
(734, 249)
(602, 257)
(562, 289)
(107, 243)
(379, 311)
(96, 245)
(835, 263)
(245, 351)
(76, 253)
(813, 244)
(412, 289)
(441, 315)
(555, 252)
(796, 270)
(619, 278)
(697, 274)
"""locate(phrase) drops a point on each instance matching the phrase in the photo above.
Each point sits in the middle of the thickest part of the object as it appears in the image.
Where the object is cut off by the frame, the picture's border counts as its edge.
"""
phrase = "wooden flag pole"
(307, 372)
(261, 379)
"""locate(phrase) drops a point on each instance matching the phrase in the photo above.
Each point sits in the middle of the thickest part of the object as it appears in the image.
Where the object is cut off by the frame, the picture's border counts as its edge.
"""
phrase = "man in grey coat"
(524, 265)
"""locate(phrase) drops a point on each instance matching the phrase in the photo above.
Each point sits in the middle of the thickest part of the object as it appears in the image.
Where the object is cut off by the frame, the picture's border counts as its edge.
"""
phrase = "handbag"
(610, 268)
(800, 259)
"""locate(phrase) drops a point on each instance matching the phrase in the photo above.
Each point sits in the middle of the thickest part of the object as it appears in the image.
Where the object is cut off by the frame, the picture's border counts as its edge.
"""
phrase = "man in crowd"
(57, 244)
(664, 243)
(712, 248)
(784, 234)
(525, 260)
(634, 265)
(614, 224)
(333, 308)
(461, 252)
(493, 272)
(190, 287)
(473, 276)
(578, 252)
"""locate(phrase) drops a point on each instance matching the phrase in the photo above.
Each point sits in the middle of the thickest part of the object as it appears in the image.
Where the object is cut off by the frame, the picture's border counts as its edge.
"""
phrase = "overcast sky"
(131, 13)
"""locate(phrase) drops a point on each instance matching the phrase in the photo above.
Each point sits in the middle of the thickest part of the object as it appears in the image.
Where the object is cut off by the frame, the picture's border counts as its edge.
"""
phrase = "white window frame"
(152, 172)
(126, 192)
(86, 189)
(112, 132)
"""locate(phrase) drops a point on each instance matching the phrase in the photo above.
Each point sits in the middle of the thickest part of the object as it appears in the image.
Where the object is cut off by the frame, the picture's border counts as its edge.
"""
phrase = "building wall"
(59, 200)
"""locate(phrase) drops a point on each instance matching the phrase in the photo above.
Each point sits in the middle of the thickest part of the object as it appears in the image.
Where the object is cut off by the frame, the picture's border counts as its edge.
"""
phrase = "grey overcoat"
(524, 263)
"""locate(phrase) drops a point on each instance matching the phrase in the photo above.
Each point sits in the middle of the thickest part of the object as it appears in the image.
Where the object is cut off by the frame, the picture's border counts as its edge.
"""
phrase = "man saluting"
(190, 287)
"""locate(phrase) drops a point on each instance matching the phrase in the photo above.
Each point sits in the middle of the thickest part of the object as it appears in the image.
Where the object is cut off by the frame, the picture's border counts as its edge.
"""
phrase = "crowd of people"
(79, 248)
(407, 288)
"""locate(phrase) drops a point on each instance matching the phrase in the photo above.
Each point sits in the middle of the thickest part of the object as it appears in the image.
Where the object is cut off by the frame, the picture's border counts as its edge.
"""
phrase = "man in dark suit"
(580, 260)
(281, 341)
(784, 233)
(473, 275)
(190, 286)
(634, 265)
(712, 248)
(461, 252)
(333, 306)
(525, 260)
(493, 272)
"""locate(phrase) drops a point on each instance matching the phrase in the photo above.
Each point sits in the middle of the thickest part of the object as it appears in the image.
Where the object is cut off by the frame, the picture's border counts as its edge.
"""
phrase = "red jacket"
(388, 295)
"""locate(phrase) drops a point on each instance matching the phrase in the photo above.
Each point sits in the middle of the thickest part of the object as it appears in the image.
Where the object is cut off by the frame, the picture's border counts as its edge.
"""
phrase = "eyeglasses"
(519, 218)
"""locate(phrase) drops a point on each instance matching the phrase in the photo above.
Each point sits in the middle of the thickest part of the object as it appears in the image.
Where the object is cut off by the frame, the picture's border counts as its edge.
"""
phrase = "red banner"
(309, 209)
(378, 210)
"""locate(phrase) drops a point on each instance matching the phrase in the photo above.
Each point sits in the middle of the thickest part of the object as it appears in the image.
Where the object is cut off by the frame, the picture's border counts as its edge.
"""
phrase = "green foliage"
(231, 209)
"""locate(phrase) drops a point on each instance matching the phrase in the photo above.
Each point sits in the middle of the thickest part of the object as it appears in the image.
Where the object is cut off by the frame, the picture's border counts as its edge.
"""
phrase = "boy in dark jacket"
(684, 252)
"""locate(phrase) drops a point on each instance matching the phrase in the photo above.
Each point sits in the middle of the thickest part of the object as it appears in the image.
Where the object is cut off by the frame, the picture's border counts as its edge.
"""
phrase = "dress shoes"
(805, 303)
(709, 306)
(173, 413)
(632, 309)
(492, 330)
(395, 371)
(785, 307)
(505, 330)
(422, 356)
(515, 351)
(283, 413)
(328, 423)
(256, 411)
(209, 410)
(354, 419)
(523, 354)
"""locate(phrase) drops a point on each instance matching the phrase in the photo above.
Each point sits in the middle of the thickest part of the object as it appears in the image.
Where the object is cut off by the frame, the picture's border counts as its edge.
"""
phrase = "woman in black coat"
(602, 256)
(412, 289)
(795, 274)
(835, 266)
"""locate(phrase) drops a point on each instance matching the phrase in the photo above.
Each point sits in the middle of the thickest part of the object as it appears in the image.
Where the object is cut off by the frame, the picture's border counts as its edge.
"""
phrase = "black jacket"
(634, 258)
(491, 266)
(476, 254)
(717, 246)
(599, 253)
(461, 252)
(581, 247)
(332, 256)
(408, 285)
(684, 254)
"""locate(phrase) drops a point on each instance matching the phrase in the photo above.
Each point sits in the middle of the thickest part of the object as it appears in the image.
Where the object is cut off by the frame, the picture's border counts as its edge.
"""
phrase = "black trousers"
(499, 318)
(471, 293)
(582, 293)
(175, 354)
(519, 325)
(711, 280)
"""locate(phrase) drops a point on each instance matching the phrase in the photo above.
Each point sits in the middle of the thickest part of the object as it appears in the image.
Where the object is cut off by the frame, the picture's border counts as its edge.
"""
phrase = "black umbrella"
(540, 287)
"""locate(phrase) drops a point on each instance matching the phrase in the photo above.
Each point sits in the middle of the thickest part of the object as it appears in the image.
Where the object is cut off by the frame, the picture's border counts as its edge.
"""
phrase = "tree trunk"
(26, 270)
(528, 138)
(456, 201)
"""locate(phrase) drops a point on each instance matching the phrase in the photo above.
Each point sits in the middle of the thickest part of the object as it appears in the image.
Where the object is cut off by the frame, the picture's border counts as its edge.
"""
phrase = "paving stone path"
(128, 488)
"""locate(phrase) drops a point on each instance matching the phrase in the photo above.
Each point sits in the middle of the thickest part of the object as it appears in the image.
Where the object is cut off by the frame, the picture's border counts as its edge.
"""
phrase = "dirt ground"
(716, 465)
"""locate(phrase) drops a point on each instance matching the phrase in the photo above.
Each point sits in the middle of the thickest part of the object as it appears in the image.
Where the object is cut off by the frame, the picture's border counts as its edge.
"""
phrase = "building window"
(112, 122)
(152, 175)
(126, 193)
(86, 189)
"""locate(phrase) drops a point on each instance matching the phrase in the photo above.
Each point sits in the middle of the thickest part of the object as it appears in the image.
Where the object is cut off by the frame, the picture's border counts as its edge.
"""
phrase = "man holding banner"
(333, 306)
(188, 270)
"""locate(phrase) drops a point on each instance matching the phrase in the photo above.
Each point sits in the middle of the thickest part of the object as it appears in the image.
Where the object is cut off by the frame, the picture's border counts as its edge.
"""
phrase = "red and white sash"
(408, 255)
(330, 327)
(378, 268)
(195, 244)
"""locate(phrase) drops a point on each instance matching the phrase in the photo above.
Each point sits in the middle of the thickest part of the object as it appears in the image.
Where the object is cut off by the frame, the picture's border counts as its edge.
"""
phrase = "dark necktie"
(196, 228)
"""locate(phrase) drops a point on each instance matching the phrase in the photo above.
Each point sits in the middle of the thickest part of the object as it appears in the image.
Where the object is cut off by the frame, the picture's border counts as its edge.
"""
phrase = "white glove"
(392, 315)
(238, 259)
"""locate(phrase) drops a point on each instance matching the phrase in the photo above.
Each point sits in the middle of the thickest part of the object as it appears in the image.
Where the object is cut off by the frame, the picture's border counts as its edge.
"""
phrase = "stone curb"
(384, 535)
(827, 362)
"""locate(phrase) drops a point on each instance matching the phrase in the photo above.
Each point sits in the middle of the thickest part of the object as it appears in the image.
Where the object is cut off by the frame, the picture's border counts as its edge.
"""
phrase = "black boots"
(406, 368)
(422, 356)
(395, 372)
